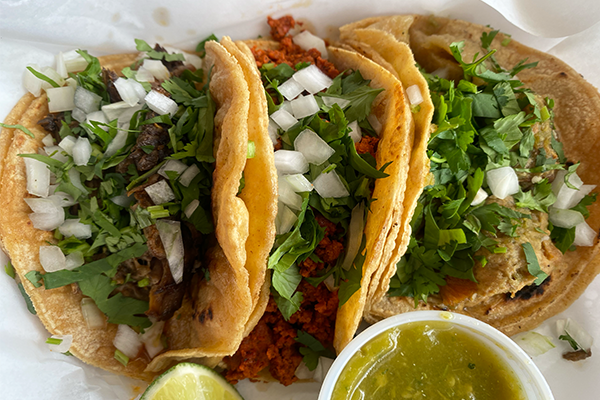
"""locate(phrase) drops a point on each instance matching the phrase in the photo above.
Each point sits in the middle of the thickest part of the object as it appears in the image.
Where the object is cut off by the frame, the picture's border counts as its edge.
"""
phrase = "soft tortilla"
(577, 106)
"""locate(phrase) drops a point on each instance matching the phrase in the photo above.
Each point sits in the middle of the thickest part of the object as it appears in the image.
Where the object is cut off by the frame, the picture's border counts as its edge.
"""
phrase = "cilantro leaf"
(532, 264)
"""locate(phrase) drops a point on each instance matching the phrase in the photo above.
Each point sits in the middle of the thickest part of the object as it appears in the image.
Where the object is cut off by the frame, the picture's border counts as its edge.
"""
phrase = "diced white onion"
(60, 99)
(52, 258)
(304, 106)
(62, 199)
(355, 235)
(565, 218)
(584, 235)
(534, 344)
(131, 91)
(48, 221)
(322, 369)
(312, 79)
(71, 82)
(82, 151)
(117, 143)
(307, 41)
(355, 131)
(191, 208)
(285, 219)
(299, 183)
(174, 166)
(290, 89)
(56, 153)
(79, 115)
(52, 74)
(330, 101)
(273, 129)
(152, 339)
(114, 110)
(43, 205)
(31, 82)
(479, 197)
(284, 119)
(74, 260)
(75, 178)
(315, 150)
(160, 104)
(414, 95)
(61, 68)
(68, 143)
(48, 140)
(375, 124)
(127, 341)
(290, 162)
(567, 197)
(97, 116)
(94, 318)
(143, 75)
(287, 106)
(170, 236)
(157, 69)
(287, 195)
(193, 59)
(330, 185)
(576, 331)
(64, 346)
(74, 62)
(72, 227)
(124, 120)
(330, 283)
(502, 181)
(86, 101)
(122, 200)
(188, 175)
(38, 177)
(160, 192)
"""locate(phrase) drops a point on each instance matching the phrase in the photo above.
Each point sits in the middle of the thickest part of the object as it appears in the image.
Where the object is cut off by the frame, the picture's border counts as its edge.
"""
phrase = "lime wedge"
(187, 381)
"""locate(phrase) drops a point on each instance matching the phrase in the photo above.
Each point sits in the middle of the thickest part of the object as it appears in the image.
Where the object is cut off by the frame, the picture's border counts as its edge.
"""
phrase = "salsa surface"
(432, 359)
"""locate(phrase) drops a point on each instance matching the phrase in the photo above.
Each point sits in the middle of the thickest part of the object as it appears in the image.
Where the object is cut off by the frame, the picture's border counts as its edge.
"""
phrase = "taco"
(128, 254)
(341, 148)
(504, 255)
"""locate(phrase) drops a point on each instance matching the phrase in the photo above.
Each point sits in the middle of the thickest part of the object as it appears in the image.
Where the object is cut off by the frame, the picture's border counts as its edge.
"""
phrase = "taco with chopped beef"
(342, 135)
(130, 212)
(506, 228)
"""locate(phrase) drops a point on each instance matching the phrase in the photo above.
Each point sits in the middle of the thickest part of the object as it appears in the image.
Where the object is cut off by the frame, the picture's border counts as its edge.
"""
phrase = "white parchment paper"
(33, 31)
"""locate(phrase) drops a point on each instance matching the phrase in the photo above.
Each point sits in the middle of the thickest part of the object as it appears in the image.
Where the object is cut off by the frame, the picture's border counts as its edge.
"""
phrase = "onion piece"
(273, 131)
(79, 115)
(567, 197)
(322, 369)
(114, 110)
(86, 101)
(414, 95)
(48, 221)
(330, 101)
(290, 89)
(75, 178)
(312, 79)
(38, 177)
(584, 235)
(131, 91)
(117, 143)
(161, 104)
(124, 120)
(355, 131)
(96, 116)
(43, 205)
(284, 119)
(307, 41)
(52, 74)
(62, 199)
(72, 227)
(565, 218)
(304, 106)
(127, 341)
(315, 150)
(74, 62)
(157, 69)
(188, 175)
(329, 185)
(355, 235)
(56, 153)
(48, 140)
(173, 166)
(152, 339)
(191, 208)
(285, 219)
(82, 151)
(67, 144)
(61, 68)
(52, 258)
(480, 197)
(287, 106)
(63, 346)
(502, 181)
(94, 318)
(143, 75)
(170, 236)
(290, 162)
(287, 195)
(74, 260)
(160, 192)
(60, 99)
(31, 82)
(303, 373)
(375, 124)
(299, 183)
(577, 333)
(534, 344)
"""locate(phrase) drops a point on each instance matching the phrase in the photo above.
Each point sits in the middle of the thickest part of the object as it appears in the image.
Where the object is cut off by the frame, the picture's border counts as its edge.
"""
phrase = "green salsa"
(427, 360)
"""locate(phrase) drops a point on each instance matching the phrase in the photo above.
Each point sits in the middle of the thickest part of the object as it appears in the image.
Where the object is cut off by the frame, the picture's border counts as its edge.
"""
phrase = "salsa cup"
(526, 372)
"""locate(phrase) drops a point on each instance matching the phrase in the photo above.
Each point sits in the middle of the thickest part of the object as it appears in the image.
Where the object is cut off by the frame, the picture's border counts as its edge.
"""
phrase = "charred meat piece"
(150, 147)
(53, 122)
(166, 296)
(109, 77)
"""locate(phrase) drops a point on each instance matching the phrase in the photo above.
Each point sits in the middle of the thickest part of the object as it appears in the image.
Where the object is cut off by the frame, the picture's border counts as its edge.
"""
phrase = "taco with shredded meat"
(506, 228)
(132, 210)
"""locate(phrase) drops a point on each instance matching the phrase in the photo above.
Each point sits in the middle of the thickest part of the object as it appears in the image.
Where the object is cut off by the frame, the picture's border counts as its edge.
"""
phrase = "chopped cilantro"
(34, 277)
(28, 302)
(9, 269)
(122, 358)
(200, 46)
(533, 265)
(313, 350)
(43, 77)
(568, 338)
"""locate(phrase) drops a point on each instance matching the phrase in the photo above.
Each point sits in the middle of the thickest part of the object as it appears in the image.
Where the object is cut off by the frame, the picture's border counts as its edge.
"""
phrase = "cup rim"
(478, 327)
